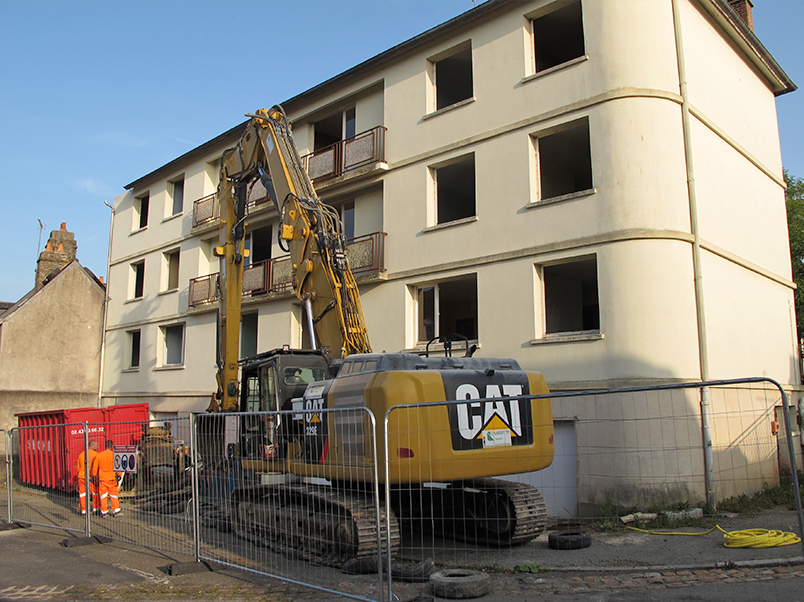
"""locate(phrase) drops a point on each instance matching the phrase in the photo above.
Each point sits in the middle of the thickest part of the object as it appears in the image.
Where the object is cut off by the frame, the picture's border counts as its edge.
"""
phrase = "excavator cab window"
(303, 376)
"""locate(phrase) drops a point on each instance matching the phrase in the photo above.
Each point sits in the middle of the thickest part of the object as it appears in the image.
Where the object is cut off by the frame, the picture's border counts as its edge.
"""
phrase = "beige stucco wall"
(50, 347)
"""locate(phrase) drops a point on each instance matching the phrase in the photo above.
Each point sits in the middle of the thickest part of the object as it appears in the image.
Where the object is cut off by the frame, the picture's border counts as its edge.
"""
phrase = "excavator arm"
(309, 230)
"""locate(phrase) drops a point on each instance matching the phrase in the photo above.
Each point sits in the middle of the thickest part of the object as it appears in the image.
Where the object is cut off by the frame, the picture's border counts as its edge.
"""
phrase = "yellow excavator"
(442, 457)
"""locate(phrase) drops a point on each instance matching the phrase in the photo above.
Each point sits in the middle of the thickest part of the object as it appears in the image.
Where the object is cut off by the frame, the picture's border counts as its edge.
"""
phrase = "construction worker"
(82, 480)
(103, 473)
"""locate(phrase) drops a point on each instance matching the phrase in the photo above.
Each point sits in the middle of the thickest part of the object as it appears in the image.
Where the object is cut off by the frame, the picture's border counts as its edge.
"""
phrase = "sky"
(95, 94)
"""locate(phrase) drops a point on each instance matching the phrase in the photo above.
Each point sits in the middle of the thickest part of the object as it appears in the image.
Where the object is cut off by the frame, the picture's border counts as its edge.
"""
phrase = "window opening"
(174, 345)
(139, 279)
(558, 36)
(248, 335)
(448, 308)
(455, 190)
(335, 128)
(348, 219)
(172, 261)
(571, 297)
(135, 338)
(142, 209)
(453, 78)
(178, 196)
(565, 161)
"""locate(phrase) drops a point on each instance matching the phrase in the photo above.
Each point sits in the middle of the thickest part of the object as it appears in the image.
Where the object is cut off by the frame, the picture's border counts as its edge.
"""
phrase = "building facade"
(592, 188)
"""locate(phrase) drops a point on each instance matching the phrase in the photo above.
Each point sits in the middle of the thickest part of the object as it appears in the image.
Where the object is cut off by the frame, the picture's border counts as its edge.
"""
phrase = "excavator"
(305, 437)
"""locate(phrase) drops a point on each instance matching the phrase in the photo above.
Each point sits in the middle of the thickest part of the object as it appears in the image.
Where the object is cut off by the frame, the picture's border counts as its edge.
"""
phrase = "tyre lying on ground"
(569, 540)
(460, 584)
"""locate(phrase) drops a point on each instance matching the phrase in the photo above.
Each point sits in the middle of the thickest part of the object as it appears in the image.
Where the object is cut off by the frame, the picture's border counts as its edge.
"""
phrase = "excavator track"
(486, 512)
(314, 523)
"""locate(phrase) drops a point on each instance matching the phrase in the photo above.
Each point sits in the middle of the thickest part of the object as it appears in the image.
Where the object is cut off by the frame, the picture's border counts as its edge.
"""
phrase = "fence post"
(89, 500)
(194, 485)
(8, 472)
(791, 450)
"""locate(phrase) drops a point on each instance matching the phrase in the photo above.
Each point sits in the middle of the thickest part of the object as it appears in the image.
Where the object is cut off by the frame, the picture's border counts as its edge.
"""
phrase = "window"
(173, 352)
(248, 335)
(571, 297)
(446, 308)
(176, 192)
(141, 207)
(455, 190)
(137, 279)
(258, 243)
(171, 265)
(564, 161)
(452, 75)
(134, 338)
(348, 219)
(558, 36)
(333, 129)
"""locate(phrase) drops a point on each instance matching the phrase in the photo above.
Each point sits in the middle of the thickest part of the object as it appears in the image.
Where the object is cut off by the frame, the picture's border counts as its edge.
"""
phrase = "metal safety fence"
(496, 480)
(5, 478)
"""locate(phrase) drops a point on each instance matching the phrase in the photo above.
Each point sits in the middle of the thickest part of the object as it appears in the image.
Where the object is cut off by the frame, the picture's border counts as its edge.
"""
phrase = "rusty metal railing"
(366, 255)
(205, 210)
(344, 156)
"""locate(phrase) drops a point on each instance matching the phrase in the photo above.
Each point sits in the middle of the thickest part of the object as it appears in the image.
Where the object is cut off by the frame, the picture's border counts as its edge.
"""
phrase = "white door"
(557, 483)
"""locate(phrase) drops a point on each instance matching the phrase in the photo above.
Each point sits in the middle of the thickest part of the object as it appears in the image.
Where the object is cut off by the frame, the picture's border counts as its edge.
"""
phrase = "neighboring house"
(50, 340)
(592, 188)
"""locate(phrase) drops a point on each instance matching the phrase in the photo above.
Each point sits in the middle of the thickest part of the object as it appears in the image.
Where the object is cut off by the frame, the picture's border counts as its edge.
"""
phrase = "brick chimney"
(743, 9)
(59, 251)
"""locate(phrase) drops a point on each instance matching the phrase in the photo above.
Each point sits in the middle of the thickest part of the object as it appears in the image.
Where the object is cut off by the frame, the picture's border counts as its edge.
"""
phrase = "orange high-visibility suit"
(82, 482)
(103, 470)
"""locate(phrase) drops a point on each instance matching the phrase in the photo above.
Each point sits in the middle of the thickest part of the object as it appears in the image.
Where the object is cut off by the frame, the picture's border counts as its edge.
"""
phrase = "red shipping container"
(51, 441)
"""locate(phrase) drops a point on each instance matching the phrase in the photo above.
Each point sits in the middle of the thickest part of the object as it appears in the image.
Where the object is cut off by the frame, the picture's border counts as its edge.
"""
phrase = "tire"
(460, 584)
(569, 540)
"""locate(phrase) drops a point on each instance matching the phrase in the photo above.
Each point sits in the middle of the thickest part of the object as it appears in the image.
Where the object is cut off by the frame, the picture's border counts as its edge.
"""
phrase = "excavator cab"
(269, 382)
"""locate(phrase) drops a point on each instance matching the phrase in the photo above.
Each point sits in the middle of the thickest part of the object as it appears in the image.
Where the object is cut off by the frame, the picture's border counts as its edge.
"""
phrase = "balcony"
(273, 276)
(365, 149)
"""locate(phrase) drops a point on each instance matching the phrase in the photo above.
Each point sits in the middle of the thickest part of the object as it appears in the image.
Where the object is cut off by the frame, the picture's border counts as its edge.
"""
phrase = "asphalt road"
(36, 566)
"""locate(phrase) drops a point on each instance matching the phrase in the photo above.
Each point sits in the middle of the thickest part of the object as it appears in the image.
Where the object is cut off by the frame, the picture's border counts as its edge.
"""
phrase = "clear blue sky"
(95, 94)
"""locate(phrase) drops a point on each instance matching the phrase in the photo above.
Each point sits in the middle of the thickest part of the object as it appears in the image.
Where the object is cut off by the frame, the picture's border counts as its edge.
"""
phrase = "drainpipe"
(105, 306)
(703, 351)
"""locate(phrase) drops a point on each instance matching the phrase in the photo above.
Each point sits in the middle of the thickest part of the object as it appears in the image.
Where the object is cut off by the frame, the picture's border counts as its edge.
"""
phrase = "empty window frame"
(348, 219)
(455, 190)
(137, 280)
(173, 345)
(564, 160)
(248, 335)
(141, 205)
(452, 75)
(571, 297)
(171, 264)
(134, 342)
(447, 308)
(558, 36)
(176, 193)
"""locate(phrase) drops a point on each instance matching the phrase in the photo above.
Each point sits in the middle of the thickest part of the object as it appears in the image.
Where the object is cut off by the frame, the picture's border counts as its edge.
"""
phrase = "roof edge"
(722, 11)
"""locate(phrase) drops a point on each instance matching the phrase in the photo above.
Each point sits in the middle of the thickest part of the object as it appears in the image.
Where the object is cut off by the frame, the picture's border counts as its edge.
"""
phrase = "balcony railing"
(366, 255)
(344, 156)
(206, 210)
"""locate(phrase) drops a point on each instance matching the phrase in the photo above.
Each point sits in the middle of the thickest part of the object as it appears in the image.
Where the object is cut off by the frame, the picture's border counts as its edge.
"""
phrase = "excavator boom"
(309, 230)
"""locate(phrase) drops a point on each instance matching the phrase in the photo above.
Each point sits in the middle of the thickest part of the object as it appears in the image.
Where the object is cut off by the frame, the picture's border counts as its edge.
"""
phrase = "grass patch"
(782, 494)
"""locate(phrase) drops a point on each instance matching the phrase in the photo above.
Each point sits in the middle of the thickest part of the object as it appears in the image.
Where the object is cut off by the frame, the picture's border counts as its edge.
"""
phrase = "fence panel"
(302, 524)
(640, 454)
(44, 486)
(153, 464)
(5, 476)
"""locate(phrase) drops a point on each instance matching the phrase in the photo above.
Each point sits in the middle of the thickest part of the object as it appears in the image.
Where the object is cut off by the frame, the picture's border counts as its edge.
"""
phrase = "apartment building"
(592, 188)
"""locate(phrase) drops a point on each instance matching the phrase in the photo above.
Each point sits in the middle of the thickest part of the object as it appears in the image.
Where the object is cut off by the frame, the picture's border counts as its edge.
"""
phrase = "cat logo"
(498, 418)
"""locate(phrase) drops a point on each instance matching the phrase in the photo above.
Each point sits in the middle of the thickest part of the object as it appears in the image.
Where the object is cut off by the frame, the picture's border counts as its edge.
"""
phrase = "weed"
(527, 568)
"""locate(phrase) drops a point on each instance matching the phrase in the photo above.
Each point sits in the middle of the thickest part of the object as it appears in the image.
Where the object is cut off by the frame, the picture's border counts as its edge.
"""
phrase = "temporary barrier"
(292, 519)
(304, 494)
(48, 455)
(647, 451)
(5, 477)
